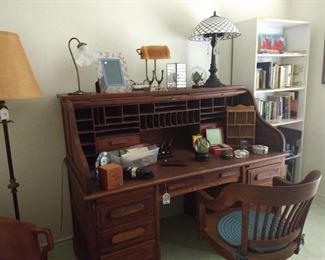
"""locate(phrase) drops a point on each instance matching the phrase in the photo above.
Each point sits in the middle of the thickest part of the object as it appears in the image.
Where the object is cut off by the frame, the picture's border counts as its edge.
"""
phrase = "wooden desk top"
(165, 174)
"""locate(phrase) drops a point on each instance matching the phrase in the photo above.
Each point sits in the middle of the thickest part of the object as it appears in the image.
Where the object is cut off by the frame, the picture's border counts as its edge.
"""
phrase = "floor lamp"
(17, 81)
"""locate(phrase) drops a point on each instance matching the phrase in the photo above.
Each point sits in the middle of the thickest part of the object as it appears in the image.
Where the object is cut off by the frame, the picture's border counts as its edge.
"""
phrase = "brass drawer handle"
(128, 210)
(128, 235)
(228, 174)
(174, 98)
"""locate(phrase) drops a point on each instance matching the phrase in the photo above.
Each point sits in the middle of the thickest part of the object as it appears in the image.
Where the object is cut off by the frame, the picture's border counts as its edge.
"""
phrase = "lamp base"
(213, 82)
(79, 92)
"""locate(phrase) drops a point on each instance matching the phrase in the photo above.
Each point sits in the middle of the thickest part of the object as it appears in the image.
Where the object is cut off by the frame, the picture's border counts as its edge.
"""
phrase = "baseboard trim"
(59, 241)
(320, 197)
(62, 240)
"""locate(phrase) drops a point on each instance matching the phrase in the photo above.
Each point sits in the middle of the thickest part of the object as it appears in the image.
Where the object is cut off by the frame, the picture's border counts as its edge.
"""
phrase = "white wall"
(314, 134)
(45, 27)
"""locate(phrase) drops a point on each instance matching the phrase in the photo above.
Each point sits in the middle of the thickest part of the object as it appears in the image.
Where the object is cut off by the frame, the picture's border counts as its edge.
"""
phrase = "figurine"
(197, 78)
(202, 147)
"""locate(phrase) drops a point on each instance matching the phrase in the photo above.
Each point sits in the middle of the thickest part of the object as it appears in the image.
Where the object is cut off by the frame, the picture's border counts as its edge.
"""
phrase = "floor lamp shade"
(17, 80)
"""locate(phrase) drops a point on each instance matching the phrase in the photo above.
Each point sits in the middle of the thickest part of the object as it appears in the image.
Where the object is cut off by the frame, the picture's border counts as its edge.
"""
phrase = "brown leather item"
(19, 240)
(154, 52)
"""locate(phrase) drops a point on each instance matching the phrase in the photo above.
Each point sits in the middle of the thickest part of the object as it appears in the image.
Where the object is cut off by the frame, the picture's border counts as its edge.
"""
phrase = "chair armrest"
(278, 181)
(49, 241)
(311, 176)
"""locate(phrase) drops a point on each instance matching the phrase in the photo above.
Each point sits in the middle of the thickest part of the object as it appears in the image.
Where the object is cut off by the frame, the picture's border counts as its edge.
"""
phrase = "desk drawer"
(264, 175)
(145, 251)
(109, 143)
(126, 236)
(201, 182)
(130, 207)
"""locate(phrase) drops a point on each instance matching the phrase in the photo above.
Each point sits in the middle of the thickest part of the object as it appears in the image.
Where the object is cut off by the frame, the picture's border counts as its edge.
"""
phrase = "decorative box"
(218, 149)
(110, 176)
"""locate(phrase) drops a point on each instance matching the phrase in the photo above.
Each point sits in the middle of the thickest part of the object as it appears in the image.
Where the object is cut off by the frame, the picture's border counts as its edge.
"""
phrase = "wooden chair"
(19, 240)
(267, 224)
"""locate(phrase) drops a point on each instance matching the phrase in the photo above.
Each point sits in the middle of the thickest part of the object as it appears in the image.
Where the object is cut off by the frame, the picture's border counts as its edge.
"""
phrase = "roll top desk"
(124, 223)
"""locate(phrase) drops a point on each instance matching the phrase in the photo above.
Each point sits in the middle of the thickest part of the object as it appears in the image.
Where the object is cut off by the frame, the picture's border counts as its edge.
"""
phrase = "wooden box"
(110, 176)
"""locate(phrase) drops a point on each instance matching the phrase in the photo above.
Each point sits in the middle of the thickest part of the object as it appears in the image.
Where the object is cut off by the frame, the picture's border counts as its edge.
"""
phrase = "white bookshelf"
(246, 57)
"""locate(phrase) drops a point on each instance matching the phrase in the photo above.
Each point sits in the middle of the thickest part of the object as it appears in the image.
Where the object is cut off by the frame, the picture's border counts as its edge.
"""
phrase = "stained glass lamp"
(212, 29)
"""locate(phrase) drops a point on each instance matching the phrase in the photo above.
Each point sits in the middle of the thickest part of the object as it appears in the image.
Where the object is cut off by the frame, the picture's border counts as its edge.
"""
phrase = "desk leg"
(157, 223)
(200, 219)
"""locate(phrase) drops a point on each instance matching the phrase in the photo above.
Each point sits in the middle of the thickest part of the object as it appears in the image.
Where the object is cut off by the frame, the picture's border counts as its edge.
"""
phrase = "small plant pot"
(202, 157)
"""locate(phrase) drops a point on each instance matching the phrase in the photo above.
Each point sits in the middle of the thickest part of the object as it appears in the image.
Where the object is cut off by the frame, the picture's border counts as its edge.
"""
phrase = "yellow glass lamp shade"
(154, 52)
(17, 80)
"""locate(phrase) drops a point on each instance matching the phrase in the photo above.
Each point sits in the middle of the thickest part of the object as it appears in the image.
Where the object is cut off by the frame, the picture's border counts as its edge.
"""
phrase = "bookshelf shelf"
(278, 90)
(282, 122)
(296, 156)
(281, 55)
(277, 80)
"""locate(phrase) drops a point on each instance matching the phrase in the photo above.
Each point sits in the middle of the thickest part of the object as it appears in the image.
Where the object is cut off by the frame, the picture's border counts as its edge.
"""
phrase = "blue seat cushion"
(230, 226)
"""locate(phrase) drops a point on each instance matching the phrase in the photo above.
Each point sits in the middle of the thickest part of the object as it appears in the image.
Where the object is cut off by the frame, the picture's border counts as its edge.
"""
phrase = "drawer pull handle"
(128, 210)
(265, 175)
(228, 174)
(174, 98)
(127, 235)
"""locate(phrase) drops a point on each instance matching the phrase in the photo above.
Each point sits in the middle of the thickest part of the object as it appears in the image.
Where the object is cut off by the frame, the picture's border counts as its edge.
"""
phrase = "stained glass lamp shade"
(212, 29)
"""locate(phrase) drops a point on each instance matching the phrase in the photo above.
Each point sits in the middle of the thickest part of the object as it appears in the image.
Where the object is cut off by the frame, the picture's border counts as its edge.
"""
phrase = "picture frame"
(271, 43)
(176, 75)
(112, 73)
(215, 136)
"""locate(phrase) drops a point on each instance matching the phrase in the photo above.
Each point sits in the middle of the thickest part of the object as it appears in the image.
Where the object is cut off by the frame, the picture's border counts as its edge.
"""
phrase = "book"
(293, 140)
(287, 101)
(275, 76)
(278, 109)
(285, 75)
(298, 75)
(267, 67)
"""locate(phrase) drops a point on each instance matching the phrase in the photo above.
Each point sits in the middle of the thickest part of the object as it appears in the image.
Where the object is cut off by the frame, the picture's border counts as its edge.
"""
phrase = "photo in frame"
(215, 136)
(271, 43)
(112, 73)
(176, 75)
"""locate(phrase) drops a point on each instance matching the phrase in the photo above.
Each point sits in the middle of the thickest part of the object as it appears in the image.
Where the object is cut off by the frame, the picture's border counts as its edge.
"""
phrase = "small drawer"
(223, 177)
(201, 182)
(128, 208)
(264, 175)
(126, 236)
(180, 187)
(145, 251)
(110, 143)
(265, 163)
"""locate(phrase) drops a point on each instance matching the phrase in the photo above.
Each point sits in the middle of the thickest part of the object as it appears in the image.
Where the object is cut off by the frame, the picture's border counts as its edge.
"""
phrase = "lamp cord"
(74, 62)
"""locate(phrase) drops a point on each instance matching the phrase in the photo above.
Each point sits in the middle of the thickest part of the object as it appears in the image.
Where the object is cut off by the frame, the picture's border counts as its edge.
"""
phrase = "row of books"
(271, 75)
(282, 105)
